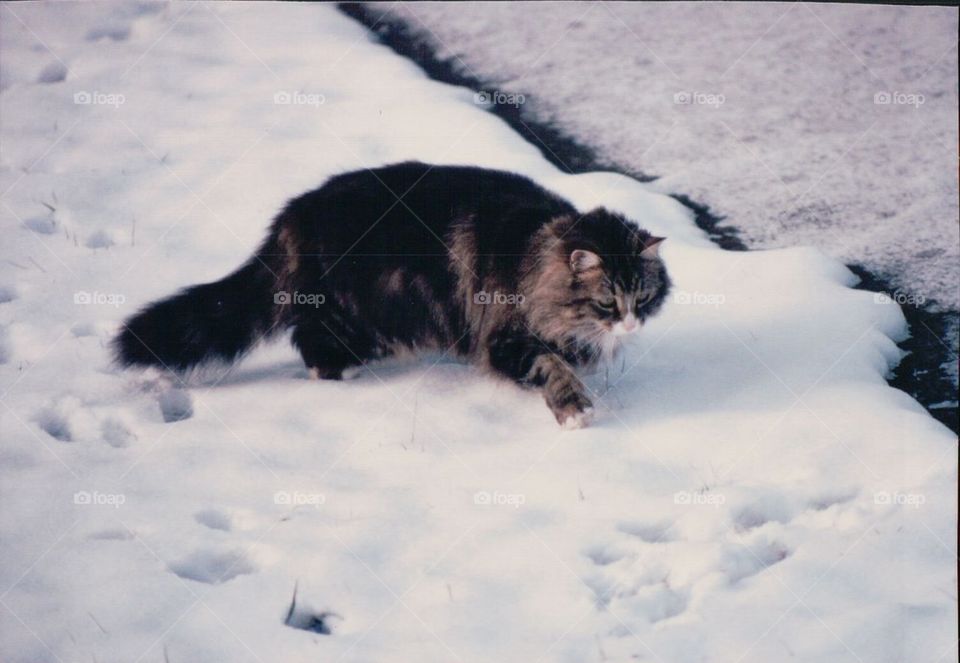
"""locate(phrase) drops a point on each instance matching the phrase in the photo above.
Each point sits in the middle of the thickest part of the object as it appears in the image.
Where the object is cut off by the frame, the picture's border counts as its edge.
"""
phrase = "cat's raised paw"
(576, 419)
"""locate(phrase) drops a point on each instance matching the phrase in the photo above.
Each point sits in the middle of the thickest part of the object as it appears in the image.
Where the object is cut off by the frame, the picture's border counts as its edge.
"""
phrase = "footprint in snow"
(654, 603)
(69, 419)
(148, 8)
(637, 582)
(604, 589)
(213, 567)
(604, 555)
(752, 516)
(5, 352)
(175, 405)
(648, 532)
(44, 225)
(54, 72)
(84, 329)
(109, 31)
(55, 422)
(214, 519)
(116, 432)
(8, 293)
(740, 561)
(99, 240)
(827, 500)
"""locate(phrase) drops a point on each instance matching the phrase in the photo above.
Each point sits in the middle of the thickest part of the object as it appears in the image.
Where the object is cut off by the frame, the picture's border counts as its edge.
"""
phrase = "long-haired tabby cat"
(413, 256)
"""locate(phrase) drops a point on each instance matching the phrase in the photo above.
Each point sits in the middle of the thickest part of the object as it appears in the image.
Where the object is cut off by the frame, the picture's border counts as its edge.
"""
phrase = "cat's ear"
(581, 260)
(651, 247)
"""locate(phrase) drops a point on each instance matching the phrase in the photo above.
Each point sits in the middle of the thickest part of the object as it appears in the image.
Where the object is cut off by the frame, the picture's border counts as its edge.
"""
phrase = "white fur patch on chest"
(609, 346)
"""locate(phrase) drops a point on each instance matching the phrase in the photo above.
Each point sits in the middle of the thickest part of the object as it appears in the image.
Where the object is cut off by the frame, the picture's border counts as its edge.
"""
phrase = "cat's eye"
(608, 304)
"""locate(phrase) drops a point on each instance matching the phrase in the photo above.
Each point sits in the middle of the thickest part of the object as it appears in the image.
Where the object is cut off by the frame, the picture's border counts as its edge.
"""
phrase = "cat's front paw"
(575, 414)
(580, 419)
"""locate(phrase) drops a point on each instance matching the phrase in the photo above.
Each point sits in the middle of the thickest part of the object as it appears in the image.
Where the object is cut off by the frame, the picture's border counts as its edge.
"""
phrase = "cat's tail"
(212, 321)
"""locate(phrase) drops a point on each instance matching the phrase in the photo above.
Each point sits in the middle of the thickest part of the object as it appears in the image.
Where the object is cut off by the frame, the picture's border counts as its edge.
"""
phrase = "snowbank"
(830, 125)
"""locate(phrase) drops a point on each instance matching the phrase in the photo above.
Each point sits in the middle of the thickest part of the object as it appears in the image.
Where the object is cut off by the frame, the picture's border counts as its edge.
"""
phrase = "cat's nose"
(630, 322)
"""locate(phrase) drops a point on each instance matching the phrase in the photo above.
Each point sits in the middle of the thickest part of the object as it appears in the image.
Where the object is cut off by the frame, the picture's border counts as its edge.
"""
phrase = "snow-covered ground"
(827, 125)
(752, 489)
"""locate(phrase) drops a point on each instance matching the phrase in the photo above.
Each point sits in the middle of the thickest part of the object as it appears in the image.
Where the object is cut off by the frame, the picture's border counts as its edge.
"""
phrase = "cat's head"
(601, 278)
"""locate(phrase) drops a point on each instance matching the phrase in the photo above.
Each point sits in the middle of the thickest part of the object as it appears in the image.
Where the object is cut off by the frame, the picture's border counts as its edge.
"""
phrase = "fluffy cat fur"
(413, 256)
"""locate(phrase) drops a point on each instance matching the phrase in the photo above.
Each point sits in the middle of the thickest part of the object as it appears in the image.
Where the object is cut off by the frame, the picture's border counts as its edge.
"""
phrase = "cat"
(483, 263)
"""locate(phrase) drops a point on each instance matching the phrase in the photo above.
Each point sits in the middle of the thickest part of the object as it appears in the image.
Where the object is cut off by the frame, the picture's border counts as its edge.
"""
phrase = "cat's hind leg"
(328, 352)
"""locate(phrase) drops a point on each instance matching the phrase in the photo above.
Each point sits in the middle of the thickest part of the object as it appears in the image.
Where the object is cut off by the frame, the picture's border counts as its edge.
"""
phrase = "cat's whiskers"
(598, 341)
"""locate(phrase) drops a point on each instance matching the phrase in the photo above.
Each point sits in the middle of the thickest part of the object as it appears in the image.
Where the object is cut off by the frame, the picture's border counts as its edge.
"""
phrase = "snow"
(751, 488)
(829, 125)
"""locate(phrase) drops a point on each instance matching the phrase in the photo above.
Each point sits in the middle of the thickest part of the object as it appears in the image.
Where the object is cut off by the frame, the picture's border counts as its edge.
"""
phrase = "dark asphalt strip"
(921, 373)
